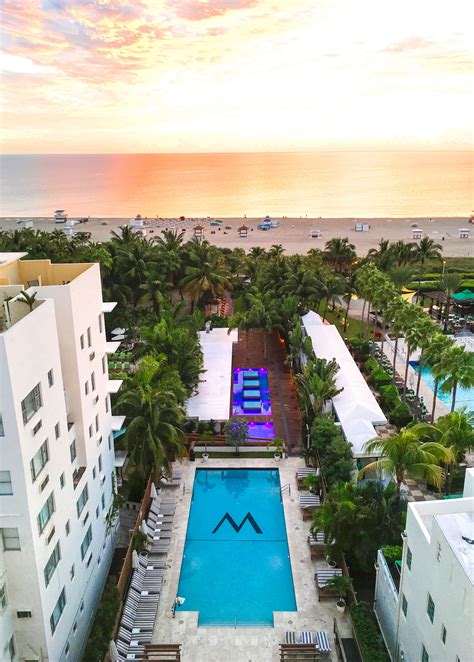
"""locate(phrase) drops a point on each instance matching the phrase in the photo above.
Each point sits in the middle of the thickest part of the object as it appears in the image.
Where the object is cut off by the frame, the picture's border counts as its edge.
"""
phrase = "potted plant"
(277, 448)
(339, 585)
(205, 455)
(313, 483)
(330, 560)
(140, 541)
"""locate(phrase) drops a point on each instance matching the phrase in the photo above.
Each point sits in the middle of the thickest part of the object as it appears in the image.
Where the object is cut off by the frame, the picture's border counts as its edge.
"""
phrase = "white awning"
(212, 401)
(117, 423)
(356, 403)
(111, 347)
(113, 385)
(108, 306)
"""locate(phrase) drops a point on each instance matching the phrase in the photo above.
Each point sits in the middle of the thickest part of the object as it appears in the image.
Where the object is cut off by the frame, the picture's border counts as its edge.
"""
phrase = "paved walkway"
(201, 644)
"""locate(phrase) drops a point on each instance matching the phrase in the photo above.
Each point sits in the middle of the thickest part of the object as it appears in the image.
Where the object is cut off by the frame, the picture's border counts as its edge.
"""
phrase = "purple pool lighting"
(263, 432)
(254, 406)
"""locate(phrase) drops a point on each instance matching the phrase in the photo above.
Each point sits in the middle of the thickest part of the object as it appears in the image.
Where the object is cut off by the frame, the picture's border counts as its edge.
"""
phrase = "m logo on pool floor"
(248, 518)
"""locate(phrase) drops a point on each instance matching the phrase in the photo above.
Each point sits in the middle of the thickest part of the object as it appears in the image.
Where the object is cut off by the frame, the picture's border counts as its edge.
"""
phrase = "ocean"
(328, 184)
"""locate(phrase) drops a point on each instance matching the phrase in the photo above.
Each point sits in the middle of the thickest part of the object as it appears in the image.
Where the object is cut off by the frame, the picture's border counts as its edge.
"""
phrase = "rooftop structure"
(356, 407)
(57, 462)
(427, 614)
(212, 401)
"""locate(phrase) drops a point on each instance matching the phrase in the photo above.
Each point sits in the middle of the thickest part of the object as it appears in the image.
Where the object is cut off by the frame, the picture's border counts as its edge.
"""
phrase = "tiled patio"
(201, 644)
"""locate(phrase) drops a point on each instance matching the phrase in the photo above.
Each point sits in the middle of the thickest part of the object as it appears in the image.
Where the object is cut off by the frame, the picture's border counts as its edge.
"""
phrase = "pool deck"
(245, 644)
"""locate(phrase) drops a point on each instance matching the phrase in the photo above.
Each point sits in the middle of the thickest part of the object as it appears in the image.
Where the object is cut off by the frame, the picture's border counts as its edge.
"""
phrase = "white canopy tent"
(212, 401)
(356, 407)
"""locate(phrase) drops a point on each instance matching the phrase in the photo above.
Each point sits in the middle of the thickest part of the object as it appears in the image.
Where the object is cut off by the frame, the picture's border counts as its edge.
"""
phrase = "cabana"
(417, 233)
(199, 232)
(464, 233)
(212, 401)
(356, 407)
(243, 230)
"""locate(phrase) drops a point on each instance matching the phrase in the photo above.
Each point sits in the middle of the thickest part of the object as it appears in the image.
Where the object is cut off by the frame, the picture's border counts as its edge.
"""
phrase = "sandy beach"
(292, 233)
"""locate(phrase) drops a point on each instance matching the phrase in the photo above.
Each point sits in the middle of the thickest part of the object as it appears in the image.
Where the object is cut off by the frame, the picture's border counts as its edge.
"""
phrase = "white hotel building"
(427, 614)
(56, 457)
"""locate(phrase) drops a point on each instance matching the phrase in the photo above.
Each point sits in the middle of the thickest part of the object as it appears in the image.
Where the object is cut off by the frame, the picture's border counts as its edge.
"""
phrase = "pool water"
(258, 431)
(251, 393)
(236, 568)
(464, 396)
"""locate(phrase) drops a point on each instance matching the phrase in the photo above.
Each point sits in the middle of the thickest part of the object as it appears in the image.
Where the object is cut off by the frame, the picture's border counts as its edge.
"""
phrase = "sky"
(135, 76)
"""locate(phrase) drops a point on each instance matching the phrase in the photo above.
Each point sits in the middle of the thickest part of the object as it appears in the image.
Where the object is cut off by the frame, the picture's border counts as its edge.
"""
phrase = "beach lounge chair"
(304, 472)
(306, 638)
(290, 637)
(308, 504)
(322, 642)
(317, 544)
(322, 577)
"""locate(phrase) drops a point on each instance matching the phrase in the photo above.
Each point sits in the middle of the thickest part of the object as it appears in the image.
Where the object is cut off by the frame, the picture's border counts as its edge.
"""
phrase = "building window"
(438, 553)
(11, 540)
(409, 558)
(39, 461)
(104, 364)
(424, 654)
(73, 451)
(52, 564)
(81, 608)
(57, 611)
(2, 429)
(68, 527)
(404, 605)
(31, 404)
(100, 463)
(62, 480)
(86, 388)
(57, 430)
(430, 608)
(82, 342)
(93, 381)
(93, 473)
(102, 499)
(86, 542)
(97, 422)
(443, 634)
(50, 378)
(46, 513)
(89, 337)
(3, 597)
(106, 404)
(72, 572)
(100, 323)
(81, 502)
(91, 430)
(74, 627)
(66, 650)
(97, 512)
(5, 483)
(110, 441)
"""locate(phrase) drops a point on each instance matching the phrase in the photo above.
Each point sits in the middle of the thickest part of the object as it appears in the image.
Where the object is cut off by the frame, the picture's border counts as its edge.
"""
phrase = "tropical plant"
(236, 431)
(339, 585)
(340, 253)
(435, 355)
(27, 299)
(404, 454)
(427, 249)
(450, 283)
(461, 371)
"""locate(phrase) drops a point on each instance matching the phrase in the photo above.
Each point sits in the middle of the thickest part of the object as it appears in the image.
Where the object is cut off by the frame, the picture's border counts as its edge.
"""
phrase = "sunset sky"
(228, 75)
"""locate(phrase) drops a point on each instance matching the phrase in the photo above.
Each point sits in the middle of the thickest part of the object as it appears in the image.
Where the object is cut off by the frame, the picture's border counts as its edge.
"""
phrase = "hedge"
(368, 635)
(104, 622)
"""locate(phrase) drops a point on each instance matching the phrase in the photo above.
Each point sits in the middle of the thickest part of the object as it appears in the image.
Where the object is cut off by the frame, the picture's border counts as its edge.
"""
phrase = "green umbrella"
(465, 295)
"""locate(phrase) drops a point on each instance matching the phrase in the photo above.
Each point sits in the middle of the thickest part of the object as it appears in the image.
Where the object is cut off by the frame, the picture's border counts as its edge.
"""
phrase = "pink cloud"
(200, 10)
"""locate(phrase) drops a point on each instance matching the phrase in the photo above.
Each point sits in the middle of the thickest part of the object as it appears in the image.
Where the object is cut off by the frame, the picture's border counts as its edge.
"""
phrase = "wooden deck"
(248, 353)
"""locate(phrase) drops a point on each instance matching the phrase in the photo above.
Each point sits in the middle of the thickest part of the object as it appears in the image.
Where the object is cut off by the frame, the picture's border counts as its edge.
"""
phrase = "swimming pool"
(464, 396)
(262, 432)
(236, 568)
(251, 393)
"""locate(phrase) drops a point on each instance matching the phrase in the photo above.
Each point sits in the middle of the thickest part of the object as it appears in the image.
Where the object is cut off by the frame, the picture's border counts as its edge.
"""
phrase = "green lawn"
(354, 326)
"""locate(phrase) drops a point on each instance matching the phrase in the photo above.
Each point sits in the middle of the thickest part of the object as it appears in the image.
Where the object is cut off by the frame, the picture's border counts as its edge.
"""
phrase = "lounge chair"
(290, 637)
(306, 638)
(322, 642)
(309, 503)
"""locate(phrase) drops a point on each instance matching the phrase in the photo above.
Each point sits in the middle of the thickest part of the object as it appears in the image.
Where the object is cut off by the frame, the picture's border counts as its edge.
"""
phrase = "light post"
(444, 266)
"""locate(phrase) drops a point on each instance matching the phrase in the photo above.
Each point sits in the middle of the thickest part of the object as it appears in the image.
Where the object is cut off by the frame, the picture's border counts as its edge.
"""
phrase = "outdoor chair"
(322, 642)
(306, 638)
(290, 637)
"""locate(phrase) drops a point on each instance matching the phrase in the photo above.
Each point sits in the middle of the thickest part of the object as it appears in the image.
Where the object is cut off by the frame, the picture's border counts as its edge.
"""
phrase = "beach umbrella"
(465, 295)
(118, 331)
(113, 652)
(153, 492)
(135, 562)
(144, 527)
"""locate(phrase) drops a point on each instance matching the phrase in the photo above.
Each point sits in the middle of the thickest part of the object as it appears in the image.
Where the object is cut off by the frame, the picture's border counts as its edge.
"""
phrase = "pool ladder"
(285, 488)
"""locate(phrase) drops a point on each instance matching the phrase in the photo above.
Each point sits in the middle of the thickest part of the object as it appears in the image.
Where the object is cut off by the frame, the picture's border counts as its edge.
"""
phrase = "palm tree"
(450, 283)
(209, 279)
(350, 291)
(435, 357)
(382, 255)
(276, 250)
(340, 253)
(305, 286)
(426, 331)
(404, 454)
(397, 313)
(261, 314)
(401, 276)
(135, 264)
(413, 335)
(403, 253)
(28, 299)
(334, 286)
(427, 249)
(153, 433)
(461, 371)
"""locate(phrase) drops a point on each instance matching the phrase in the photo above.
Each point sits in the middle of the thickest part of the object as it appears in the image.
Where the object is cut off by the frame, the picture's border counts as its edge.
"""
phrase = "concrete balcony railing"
(77, 475)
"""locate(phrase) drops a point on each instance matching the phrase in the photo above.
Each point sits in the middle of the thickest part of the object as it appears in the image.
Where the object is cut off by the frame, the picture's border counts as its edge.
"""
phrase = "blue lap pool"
(251, 393)
(236, 569)
(464, 396)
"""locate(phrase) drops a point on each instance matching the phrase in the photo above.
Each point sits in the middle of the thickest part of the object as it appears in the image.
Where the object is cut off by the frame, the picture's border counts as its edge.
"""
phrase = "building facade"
(426, 613)
(56, 456)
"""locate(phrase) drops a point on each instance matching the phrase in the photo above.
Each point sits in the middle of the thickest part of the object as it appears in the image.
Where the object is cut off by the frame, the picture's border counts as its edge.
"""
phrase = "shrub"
(370, 640)
(104, 621)
(371, 365)
(390, 397)
(392, 553)
(136, 484)
(360, 348)
(335, 453)
(401, 415)
(380, 378)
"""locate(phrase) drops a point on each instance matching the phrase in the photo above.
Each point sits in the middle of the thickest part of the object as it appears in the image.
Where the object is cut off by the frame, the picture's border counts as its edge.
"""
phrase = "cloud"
(16, 64)
(200, 10)
(409, 44)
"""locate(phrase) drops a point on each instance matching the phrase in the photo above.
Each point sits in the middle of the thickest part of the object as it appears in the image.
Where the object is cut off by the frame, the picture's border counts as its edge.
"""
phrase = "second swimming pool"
(236, 569)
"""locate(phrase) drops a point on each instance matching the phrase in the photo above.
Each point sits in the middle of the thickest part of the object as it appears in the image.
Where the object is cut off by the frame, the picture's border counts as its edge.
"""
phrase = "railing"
(127, 562)
(285, 488)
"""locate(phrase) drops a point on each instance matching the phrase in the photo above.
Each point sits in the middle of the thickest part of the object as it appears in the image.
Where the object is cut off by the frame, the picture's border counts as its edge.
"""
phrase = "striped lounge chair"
(322, 642)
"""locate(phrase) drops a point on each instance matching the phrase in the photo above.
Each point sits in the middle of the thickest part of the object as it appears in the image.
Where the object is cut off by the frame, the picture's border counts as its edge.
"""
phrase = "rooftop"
(31, 273)
(212, 401)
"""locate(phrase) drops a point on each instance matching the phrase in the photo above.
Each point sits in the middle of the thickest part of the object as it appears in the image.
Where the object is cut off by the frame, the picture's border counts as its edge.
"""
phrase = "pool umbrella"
(153, 492)
(113, 652)
(465, 295)
(144, 527)
(135, 562)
